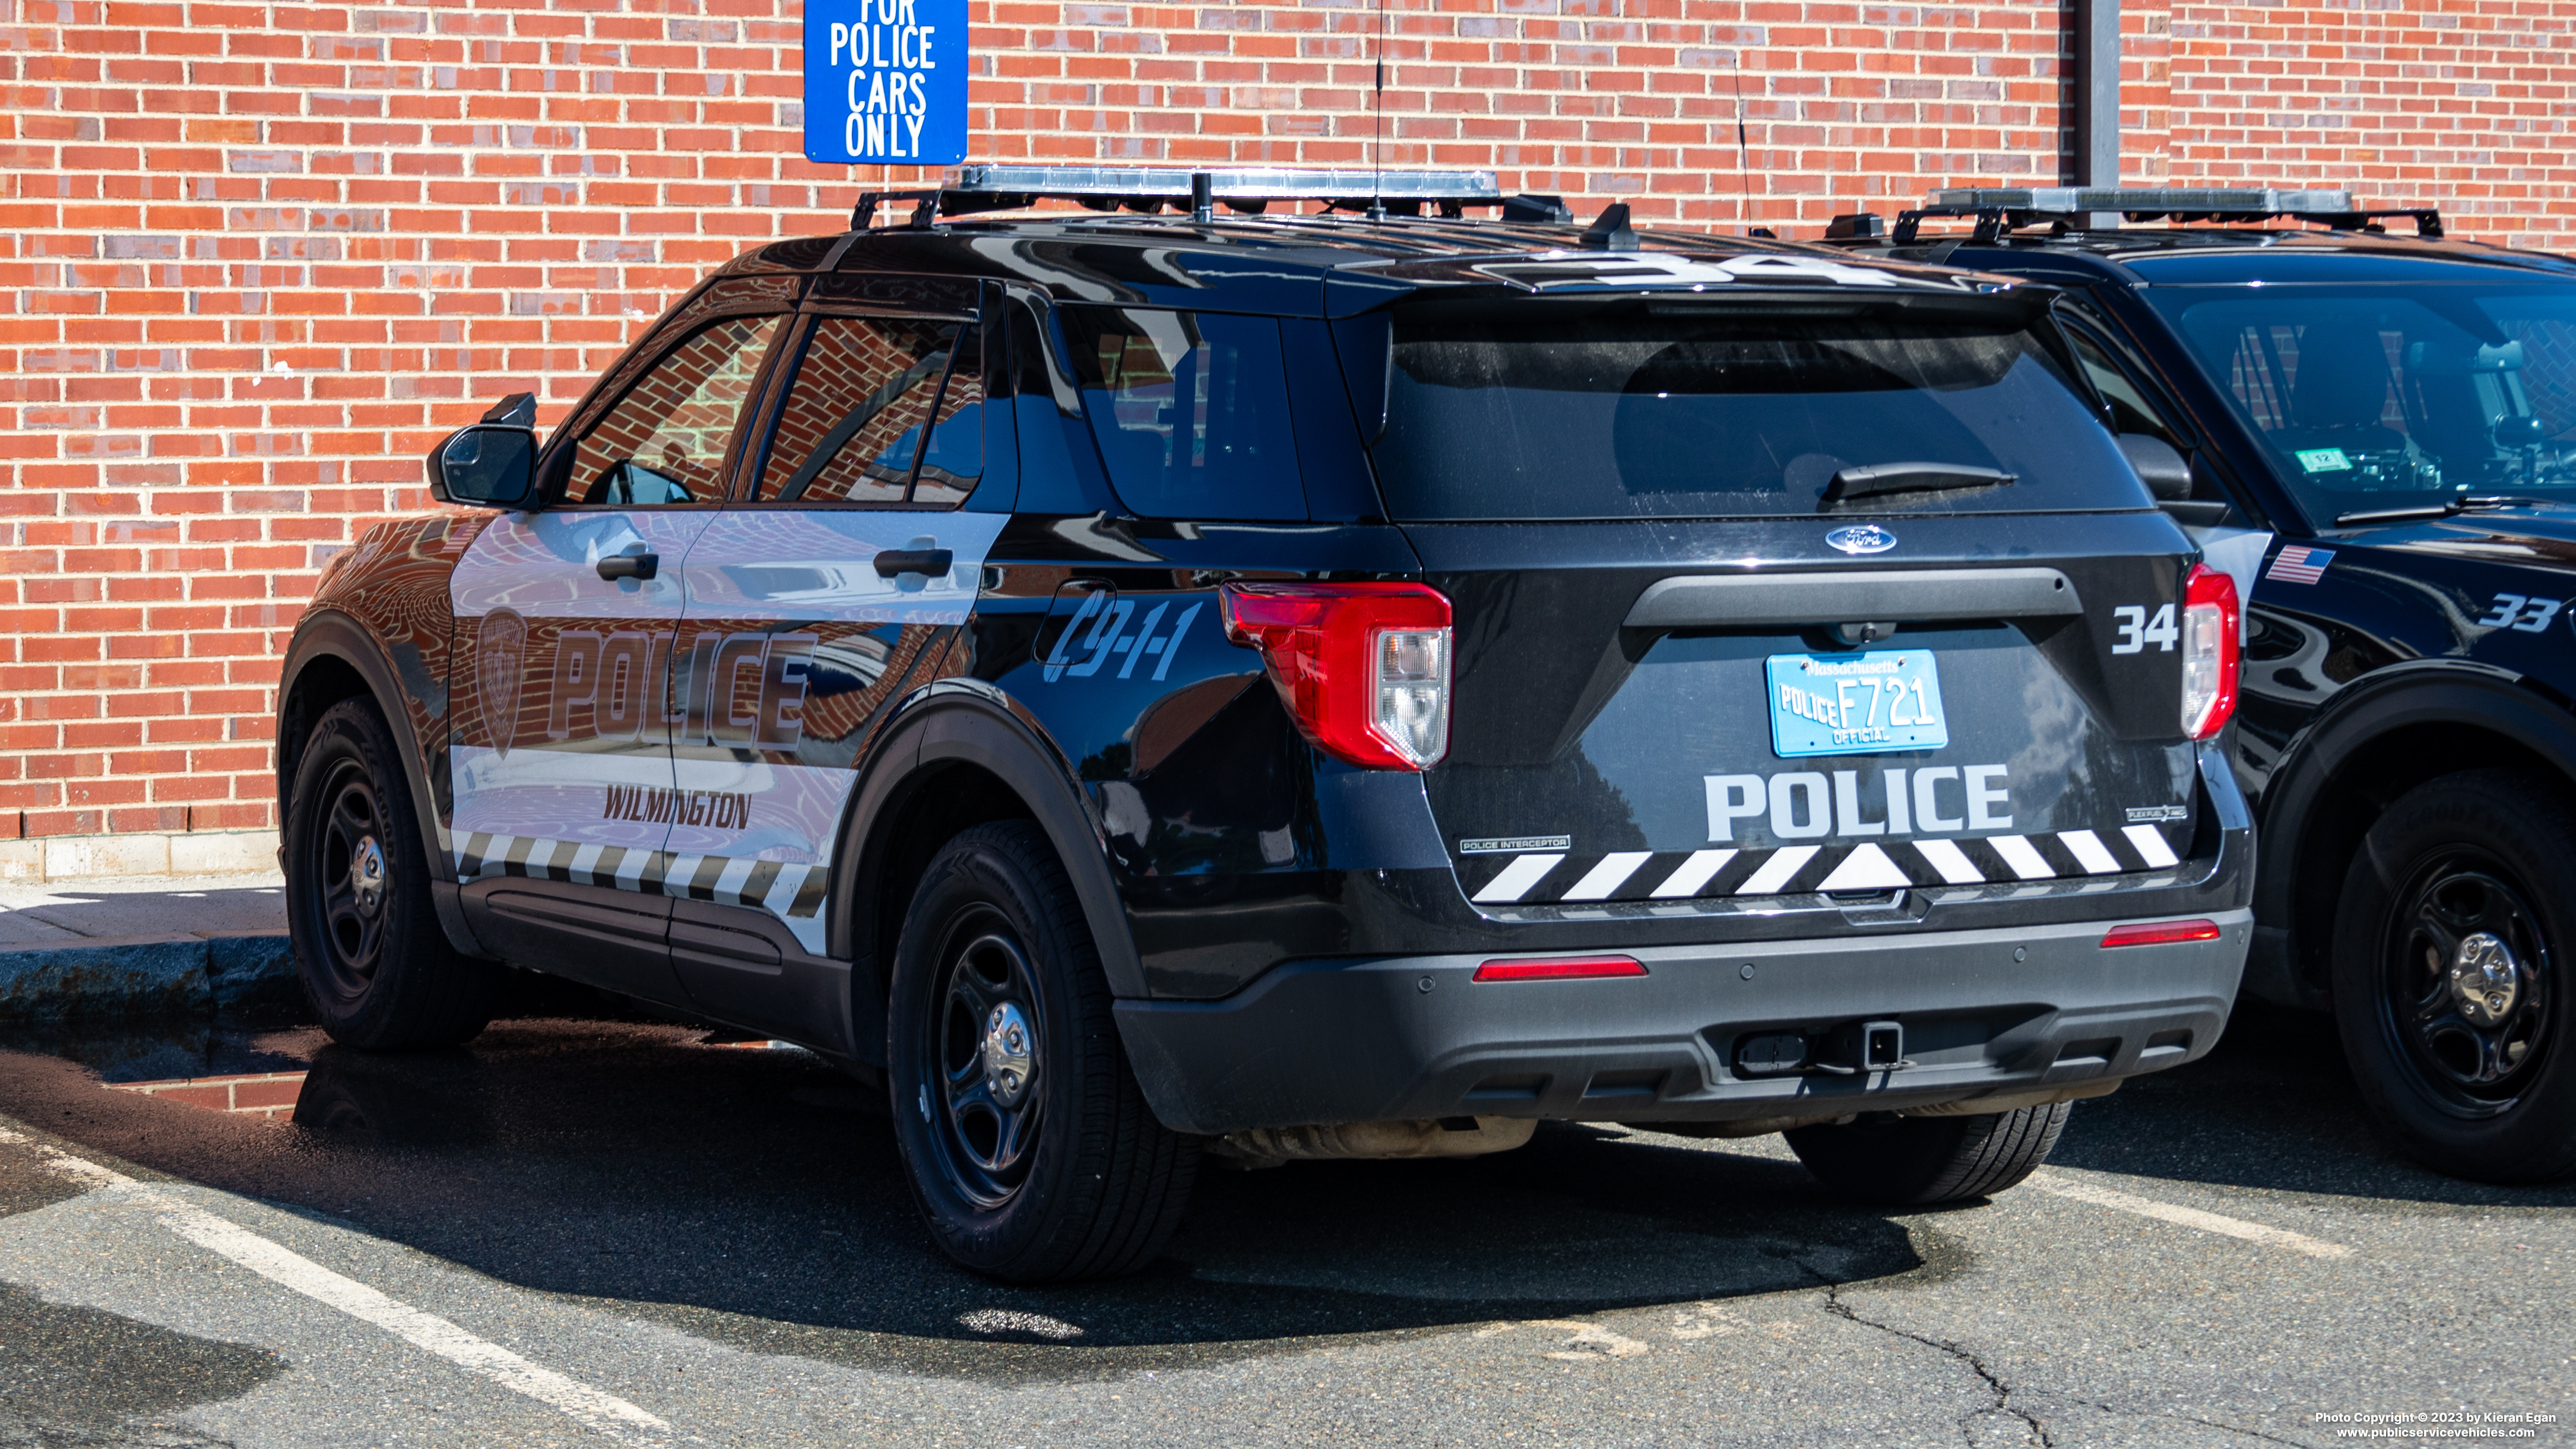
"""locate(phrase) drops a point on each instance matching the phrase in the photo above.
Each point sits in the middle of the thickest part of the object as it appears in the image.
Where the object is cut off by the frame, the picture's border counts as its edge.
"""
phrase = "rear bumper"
(1415, 1037)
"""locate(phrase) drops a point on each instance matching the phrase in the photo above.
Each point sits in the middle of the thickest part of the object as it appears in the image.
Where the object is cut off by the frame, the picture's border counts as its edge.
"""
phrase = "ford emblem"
(1861, 538)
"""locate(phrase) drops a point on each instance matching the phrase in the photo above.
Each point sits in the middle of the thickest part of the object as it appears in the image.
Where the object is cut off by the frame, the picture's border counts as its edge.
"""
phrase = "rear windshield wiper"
(2433, 510)
(1870, 480)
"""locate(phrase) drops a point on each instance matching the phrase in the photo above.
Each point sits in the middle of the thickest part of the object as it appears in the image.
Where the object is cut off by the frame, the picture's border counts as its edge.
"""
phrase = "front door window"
(666, 440)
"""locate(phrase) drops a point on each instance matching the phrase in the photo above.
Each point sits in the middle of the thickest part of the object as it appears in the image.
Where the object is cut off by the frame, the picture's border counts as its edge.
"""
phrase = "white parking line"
(602, 1413)
(2147, 1207)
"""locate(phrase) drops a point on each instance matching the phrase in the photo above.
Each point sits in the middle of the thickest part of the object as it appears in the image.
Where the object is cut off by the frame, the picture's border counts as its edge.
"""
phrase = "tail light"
(2212, 651)
(1364, 668)
(2161, 933)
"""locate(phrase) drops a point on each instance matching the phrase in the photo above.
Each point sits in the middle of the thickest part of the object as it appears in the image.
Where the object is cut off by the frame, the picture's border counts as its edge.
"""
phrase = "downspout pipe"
(2097, 99)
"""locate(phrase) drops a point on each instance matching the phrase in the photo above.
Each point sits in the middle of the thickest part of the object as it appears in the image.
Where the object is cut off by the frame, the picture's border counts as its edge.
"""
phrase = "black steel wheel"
(346, 857)
(2449, 975)
(374, 960)
(986, 1045)
(1030, 1148)
(2467, 983)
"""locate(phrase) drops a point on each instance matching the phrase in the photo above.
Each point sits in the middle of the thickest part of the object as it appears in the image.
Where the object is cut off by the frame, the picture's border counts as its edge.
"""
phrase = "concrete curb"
(90, 857)
(153, 976)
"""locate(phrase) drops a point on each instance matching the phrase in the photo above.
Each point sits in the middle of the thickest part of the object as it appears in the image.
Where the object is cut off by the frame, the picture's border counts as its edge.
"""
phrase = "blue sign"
(885, 81)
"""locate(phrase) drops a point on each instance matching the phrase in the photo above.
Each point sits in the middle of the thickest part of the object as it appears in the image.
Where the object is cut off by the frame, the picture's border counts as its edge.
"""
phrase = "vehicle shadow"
(2273, 1107)
(755, 1195)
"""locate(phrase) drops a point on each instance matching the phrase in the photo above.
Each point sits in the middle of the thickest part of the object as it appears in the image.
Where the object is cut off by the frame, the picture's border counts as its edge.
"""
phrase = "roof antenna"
(1743, 150)
(1377, 148)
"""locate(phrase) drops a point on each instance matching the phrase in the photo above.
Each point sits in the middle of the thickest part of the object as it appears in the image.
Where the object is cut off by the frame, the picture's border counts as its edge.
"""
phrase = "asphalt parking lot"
(589, 1230)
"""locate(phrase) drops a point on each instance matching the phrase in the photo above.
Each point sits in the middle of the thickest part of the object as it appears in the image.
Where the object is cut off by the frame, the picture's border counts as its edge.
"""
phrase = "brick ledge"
(196, 852)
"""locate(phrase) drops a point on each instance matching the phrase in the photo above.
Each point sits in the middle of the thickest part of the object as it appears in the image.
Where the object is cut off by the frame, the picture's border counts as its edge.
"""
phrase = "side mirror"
(2165, 471)
(486, 465)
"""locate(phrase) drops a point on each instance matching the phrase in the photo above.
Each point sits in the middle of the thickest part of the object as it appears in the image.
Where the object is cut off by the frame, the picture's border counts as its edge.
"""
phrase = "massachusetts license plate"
(1855, 704)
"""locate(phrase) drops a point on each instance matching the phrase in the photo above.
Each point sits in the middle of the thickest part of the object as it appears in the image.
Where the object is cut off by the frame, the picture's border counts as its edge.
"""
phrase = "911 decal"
(1079, 655)
(2521, 613)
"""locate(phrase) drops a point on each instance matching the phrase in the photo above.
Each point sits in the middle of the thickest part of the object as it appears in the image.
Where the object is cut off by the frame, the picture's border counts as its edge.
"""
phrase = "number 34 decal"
(2514, 611)
(2137, 631)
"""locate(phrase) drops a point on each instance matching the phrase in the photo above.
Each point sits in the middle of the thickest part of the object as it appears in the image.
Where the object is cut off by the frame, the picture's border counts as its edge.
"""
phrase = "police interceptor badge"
(1861, 538)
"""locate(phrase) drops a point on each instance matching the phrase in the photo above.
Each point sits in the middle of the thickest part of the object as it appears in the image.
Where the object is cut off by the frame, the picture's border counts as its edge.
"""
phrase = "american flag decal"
(2300, 565)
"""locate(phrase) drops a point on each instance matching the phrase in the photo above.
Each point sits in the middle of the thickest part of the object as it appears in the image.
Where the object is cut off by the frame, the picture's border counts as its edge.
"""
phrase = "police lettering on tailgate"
(1806, 804)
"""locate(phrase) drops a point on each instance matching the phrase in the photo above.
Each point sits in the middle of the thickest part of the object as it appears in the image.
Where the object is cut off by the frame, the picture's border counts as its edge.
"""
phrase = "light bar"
(2002, 209)
(1227, 183)
(2159, 200)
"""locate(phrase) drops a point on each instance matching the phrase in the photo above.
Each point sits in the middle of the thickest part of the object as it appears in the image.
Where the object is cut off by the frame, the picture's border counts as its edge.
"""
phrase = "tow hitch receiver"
(1863, 1046)
(1847, 1050)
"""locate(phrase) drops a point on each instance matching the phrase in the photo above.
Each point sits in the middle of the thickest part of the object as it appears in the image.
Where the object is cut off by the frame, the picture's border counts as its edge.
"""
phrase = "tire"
(2453, 942)
(374, 960)
(1030, 1148)
(1918, 1161)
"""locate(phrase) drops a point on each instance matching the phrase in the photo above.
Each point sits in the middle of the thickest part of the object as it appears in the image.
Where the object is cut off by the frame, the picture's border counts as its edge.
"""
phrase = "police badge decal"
(500, 655)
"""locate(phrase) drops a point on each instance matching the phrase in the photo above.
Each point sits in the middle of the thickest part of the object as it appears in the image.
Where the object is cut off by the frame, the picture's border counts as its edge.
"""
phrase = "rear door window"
(1638, 408)
(1190, 410)
(2133, 410)
(952, 462)
(866, 390)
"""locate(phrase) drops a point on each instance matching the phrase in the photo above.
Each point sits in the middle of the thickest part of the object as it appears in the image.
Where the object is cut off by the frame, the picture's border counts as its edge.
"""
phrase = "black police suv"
(1295, 686)
(2378, 433)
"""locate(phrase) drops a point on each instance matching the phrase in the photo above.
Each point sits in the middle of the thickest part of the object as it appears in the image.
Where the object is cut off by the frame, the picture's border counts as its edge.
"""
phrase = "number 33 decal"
(2513, 611)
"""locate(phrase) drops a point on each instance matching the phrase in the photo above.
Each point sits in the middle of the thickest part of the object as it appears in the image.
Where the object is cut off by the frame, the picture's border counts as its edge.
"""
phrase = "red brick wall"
(257, 257)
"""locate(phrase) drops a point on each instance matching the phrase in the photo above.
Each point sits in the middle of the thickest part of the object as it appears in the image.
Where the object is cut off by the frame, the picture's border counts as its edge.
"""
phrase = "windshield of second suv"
(2395, 395)
(1642, 408)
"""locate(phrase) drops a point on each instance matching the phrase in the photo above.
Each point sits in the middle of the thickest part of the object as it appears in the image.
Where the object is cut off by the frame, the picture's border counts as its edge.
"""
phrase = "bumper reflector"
(2160, 933)
(1561, 968)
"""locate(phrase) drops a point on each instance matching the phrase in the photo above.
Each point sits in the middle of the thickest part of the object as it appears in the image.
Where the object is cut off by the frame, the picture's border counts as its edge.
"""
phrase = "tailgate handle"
(1736, 600)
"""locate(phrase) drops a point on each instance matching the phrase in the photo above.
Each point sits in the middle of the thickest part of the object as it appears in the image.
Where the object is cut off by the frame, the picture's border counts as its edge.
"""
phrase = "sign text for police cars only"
(885, 81)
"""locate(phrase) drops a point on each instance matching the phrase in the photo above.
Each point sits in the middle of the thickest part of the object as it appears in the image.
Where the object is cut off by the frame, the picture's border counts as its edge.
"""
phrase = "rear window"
(1190, 409)
(1645, 409)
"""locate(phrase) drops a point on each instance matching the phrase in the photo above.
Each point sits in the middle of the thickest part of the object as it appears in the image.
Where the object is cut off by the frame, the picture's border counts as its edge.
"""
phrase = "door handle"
(931, 561)
(630, 566)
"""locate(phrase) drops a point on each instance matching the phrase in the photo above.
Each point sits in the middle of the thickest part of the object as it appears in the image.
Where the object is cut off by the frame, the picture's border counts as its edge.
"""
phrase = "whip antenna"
(1743, 150)
(1377, 148)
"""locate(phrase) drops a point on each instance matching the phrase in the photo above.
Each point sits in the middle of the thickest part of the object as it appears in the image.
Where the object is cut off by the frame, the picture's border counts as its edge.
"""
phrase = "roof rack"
(2002, 209)
(1248, 190)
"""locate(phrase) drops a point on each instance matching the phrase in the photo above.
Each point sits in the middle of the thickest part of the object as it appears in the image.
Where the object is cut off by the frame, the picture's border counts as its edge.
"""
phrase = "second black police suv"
(2385, 427)
(1287, 686)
